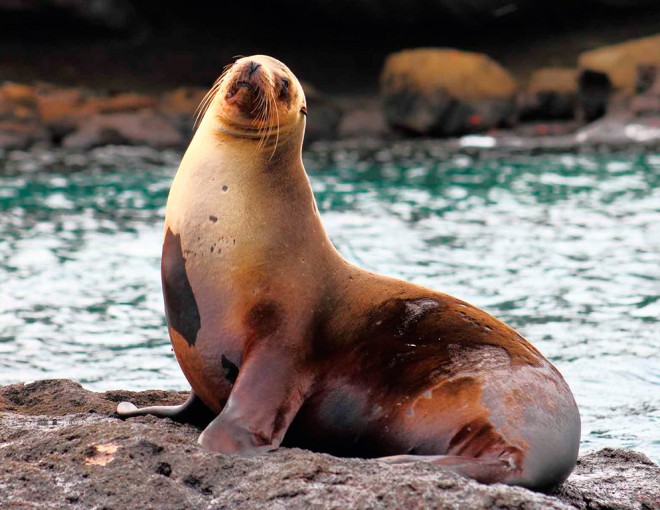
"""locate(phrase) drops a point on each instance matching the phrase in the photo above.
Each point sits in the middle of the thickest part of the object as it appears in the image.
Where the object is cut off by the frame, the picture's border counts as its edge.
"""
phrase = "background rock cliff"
(337, 45)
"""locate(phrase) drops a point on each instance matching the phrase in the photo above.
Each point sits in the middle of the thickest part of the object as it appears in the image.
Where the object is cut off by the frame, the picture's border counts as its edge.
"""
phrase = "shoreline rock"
(438, 92)
(61, 446)
(446, 92)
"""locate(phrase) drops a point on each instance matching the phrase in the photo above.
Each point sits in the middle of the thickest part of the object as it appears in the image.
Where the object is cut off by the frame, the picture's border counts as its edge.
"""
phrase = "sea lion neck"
(239, 184)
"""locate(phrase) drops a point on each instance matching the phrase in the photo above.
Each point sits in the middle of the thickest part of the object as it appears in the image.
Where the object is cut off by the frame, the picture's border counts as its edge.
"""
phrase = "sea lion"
(285, 342)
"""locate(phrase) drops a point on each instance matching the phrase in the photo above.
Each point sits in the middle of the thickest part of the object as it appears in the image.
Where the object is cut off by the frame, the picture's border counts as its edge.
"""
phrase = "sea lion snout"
(258, 99)
(247, 88)
(252, 84)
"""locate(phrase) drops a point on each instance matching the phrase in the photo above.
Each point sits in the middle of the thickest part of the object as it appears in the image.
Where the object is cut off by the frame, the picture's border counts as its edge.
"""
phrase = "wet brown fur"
(332, 357)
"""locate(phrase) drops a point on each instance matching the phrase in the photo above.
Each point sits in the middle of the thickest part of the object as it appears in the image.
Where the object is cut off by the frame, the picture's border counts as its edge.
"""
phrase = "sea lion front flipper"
(267, 395)
(192, 411)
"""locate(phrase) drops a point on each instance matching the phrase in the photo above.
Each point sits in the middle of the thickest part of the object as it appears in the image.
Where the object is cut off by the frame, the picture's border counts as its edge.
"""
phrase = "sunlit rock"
(181, 101)
(620, 62)
(442, 91)
(551, 94)
(139, 128)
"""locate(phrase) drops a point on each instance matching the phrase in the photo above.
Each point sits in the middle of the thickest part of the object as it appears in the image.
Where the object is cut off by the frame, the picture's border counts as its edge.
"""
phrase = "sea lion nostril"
(253, 67)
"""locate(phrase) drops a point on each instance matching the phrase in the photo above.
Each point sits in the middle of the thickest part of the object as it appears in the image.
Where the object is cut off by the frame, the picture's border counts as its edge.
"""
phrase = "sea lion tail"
(192, 411)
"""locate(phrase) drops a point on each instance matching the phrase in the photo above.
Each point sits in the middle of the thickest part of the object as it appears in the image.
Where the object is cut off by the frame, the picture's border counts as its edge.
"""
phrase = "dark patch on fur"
(180, 303)
(213, 219)
(414, 311)
(280, 418)
(264, 319)
(231, 370)
(425, 340)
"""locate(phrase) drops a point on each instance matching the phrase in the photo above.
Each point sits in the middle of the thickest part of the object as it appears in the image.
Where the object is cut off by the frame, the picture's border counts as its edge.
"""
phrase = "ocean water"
(563, 247)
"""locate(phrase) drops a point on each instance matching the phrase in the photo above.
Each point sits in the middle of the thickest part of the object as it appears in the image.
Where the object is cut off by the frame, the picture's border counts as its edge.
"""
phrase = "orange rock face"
(181, 101)
(621, 61)
(59, 105)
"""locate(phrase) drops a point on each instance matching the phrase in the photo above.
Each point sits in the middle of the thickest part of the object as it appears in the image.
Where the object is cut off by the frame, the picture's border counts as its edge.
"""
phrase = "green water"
(564, 247)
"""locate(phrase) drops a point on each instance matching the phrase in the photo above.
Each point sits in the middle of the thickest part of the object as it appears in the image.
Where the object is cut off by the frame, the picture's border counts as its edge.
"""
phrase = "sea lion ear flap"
(264, 401)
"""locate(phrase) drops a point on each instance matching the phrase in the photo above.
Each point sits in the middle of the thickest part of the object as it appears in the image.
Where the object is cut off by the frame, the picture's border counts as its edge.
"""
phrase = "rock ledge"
(61, 447)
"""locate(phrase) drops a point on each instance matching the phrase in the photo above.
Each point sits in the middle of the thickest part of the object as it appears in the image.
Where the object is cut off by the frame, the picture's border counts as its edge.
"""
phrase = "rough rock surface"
(443, 91)
(139, 128)
(551, 94)
(620, 62)
(324, 115)
(79, 118)
(61, 447)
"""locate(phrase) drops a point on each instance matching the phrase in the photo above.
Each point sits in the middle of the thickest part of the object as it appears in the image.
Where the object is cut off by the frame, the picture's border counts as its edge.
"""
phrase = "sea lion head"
(257, 99)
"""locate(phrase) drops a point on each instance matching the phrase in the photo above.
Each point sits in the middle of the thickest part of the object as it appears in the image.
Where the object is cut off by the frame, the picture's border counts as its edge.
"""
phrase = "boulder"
(180, 106)
(612, 478)
(19, 119)
(58, 105)
(620, 62)
(551, 94)
(17, 101)
(181, 101)
(137, 128)
(125, 102)
(647, 102)
(21, 134)
(362, 119)
(446, 92)
(323, 115)
(595, 89)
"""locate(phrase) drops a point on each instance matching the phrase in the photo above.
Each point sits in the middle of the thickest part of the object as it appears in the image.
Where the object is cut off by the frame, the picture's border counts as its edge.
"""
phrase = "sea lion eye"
(284, 91)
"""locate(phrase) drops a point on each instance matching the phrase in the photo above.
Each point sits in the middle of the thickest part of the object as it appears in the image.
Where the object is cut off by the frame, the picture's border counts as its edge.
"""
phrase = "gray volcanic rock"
(139, 128)
(61, 447)
(324, 115)
(613, 478)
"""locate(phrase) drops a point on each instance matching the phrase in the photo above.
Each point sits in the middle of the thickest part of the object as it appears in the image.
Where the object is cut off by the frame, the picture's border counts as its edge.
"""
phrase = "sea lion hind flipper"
(266, 397)
(192, 411)
(484, 470)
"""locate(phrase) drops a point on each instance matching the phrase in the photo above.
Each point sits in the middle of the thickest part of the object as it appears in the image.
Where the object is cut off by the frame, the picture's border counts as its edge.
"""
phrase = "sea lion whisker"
(263, 132)
(210, 95)
(259, 108)
(277, 117)
(270, 126)
(208, 98)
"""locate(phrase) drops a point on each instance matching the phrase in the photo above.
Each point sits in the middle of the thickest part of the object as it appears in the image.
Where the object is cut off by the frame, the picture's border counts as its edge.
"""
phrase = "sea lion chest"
(201, 268)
